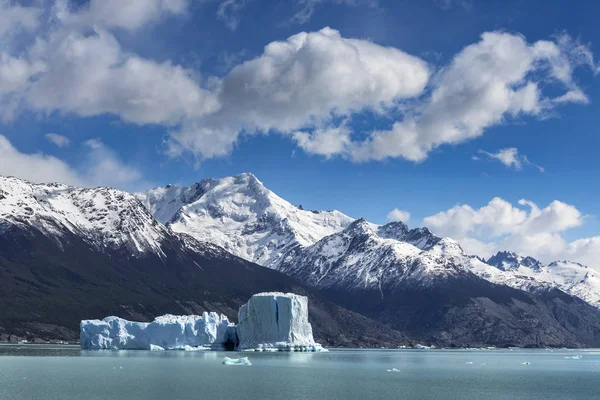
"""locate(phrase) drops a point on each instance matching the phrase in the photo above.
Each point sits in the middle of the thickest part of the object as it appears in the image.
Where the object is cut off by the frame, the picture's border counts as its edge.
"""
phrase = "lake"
(64, 372)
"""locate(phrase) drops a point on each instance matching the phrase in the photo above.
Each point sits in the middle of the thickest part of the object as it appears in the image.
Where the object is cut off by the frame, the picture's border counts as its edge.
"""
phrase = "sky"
(475, 118)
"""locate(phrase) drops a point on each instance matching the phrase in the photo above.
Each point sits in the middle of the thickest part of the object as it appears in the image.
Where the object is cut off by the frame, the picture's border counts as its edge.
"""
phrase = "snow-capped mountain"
(570, 277)
(104, 217)
(328, 248)
(239, 214)
(359, 257)
(68, 254)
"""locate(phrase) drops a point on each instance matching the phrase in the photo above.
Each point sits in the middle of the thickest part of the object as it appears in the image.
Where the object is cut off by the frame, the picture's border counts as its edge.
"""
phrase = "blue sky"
(158, 93)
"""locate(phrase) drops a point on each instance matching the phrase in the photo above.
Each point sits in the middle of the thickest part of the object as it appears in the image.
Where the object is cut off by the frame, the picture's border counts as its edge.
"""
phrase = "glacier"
(267, 322)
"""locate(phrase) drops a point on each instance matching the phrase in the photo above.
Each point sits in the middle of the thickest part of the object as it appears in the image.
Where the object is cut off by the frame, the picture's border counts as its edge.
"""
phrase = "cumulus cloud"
(308, 87)
(486, 84)
(90, 75)
(59, 140)
(14, 17)
(128, 15)
(510, 157)
(101, 167)
(398, 215)
(526, 229)
(303, 82)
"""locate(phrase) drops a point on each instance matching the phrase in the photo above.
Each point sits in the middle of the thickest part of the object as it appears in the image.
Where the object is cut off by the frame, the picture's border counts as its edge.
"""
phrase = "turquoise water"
(65, 373)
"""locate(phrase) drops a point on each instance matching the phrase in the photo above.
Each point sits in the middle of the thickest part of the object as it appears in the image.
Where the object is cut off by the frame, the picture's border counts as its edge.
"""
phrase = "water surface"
(65, 373)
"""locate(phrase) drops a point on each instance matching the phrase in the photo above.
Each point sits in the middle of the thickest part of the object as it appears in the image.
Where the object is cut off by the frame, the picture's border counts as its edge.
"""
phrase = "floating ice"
(275, 321)
(209, 331)
(577, 357)
(469, 362)
(268, 322)
(526, 363)
(393, 370)
(236, 361)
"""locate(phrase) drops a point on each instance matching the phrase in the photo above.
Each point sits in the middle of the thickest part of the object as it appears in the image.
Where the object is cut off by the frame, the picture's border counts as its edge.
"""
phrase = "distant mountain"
(570, 277)
(437, 293)
(68, 254)
(409, 279)
(239, 214)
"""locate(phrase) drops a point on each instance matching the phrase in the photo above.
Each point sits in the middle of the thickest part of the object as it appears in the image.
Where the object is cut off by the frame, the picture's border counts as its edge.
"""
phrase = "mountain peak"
(241, 215)
(359, 227)
(511, 261)
(393, 230)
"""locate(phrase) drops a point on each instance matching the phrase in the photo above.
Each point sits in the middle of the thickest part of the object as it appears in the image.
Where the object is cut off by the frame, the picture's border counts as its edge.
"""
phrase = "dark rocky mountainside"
(45, 290)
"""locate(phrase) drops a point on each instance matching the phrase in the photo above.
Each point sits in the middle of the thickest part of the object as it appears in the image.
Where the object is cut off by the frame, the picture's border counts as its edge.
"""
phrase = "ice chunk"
(236, 361)
(275, 321)
(210, 330)
(526, 363)
(154, 347)
(393, 370)
(578, 357)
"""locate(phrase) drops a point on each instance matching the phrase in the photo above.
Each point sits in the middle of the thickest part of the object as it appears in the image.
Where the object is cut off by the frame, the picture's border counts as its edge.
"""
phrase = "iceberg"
(210, 330)
(236, 361)
(275, 321)
(267, 322)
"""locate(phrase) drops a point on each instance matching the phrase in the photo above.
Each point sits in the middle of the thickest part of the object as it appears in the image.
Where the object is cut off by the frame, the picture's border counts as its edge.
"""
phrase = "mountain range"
(70, 253)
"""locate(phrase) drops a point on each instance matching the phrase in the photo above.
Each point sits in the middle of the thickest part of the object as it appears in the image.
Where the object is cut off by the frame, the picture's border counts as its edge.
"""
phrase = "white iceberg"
(236, 361)
(209, 331)
(275, 321)
(268, 322)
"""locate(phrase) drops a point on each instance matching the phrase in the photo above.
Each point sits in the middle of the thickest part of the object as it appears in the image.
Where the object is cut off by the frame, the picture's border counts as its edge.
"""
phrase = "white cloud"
(510, 157)
(485, 84)
(308, 8)
(525, 229)
(91, 75)
(302, 83)
(324, 141)
(398, 215)
(301, 87)
(129, 15)
(59, 140)
(229, 12)
(14, 17)
(101, 167)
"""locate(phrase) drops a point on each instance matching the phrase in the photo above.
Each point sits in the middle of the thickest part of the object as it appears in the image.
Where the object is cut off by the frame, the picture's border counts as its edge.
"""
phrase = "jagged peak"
(558, 262)
(393, 230)
(359, 227)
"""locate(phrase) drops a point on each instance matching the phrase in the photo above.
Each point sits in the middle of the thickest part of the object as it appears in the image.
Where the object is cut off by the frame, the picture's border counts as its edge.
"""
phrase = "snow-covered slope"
(104, 217)
(573, 278)
(239, 214)
(360, 258)
(331, 249)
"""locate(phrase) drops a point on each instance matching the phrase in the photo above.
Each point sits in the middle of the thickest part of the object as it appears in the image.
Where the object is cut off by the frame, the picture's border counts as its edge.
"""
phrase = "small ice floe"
(526, 363)
(469, 362)
(393, 370)
(154, 347)
(577, 357)
(236, 361)
(482, 363)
